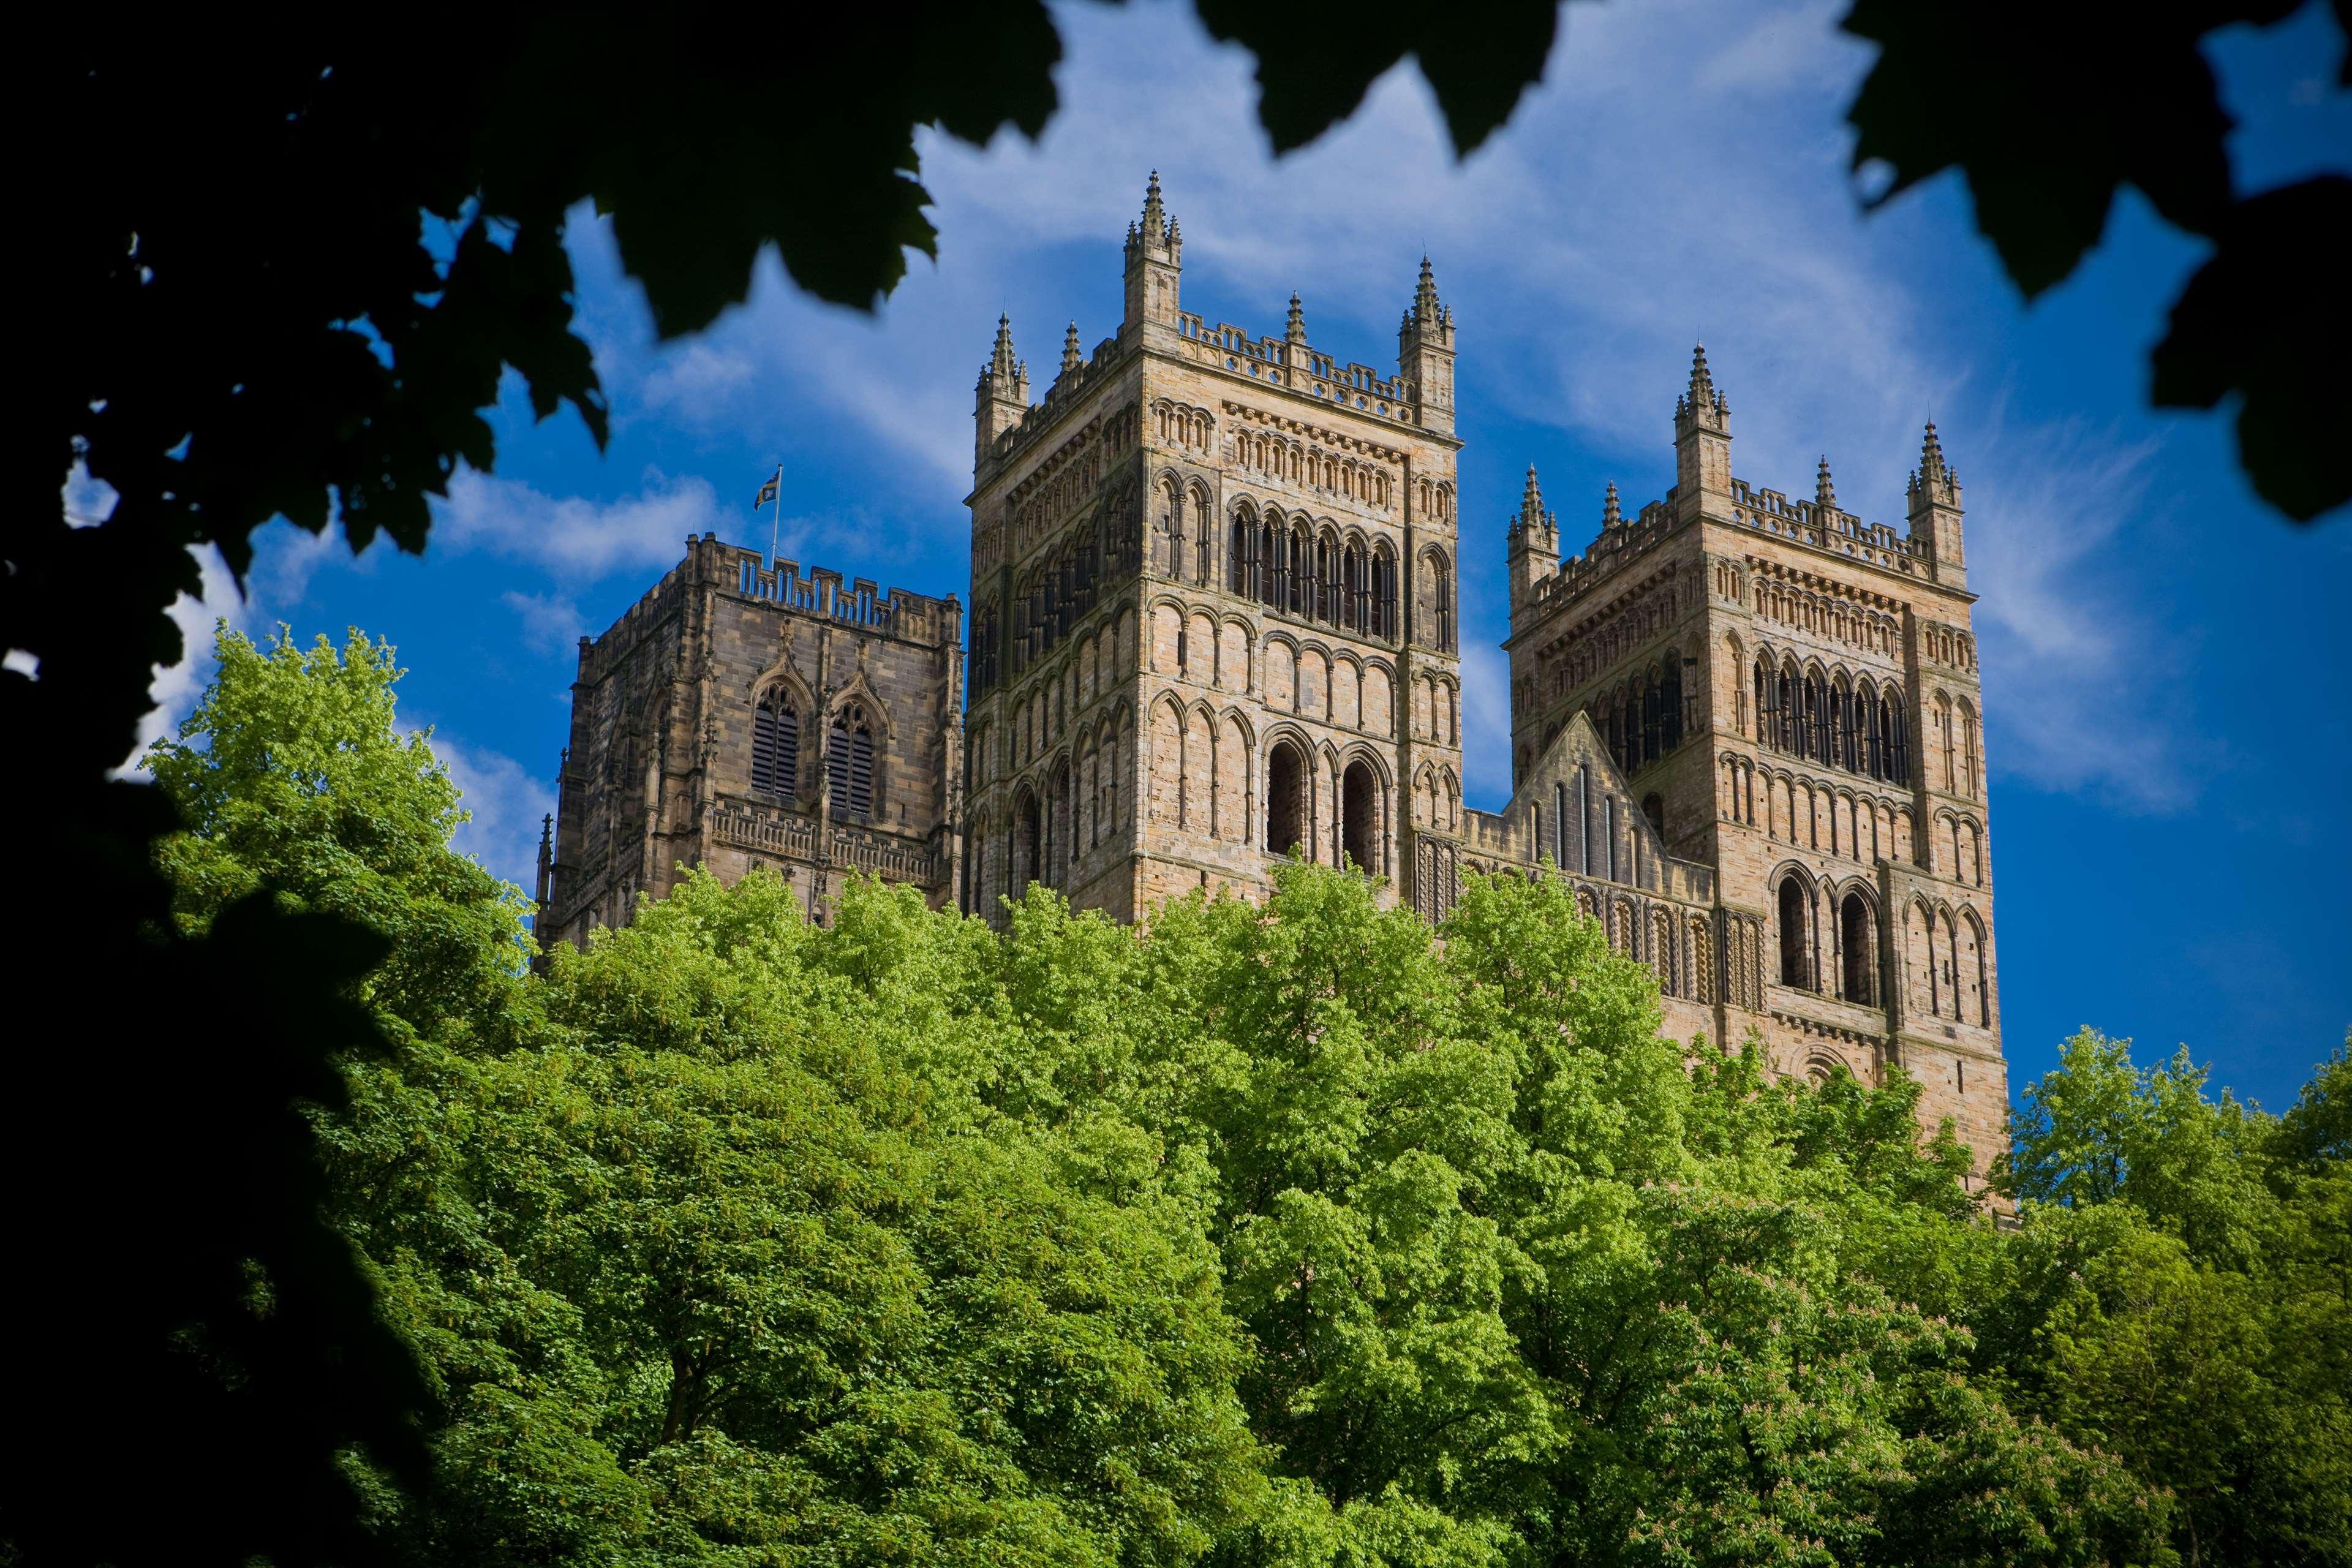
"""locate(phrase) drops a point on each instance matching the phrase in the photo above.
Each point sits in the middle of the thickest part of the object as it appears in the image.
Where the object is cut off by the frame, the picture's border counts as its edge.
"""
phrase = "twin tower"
(1214, 624)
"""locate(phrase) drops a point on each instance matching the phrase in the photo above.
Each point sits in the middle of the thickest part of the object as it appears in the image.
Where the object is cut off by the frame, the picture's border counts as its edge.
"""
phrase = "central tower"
(1214, 615)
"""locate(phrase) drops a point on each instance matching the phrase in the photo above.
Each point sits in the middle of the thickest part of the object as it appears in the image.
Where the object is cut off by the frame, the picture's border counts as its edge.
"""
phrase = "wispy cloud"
(574, 538)
(1681, 171)
(551, 622)
(2083, 689)
(507, 804)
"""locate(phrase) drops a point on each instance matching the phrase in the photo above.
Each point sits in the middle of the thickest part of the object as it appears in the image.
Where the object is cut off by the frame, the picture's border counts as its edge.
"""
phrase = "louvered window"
(849, 764)
(775, 746)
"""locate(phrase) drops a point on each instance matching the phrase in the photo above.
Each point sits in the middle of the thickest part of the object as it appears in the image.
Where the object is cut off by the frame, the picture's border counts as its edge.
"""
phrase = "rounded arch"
(1858, 928)
(1364, 813)
(1286, 772)
(1793, 904)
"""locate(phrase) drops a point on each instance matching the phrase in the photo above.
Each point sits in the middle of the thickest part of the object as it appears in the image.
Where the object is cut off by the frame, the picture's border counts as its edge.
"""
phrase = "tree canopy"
(1284, 1235)
(288, 283)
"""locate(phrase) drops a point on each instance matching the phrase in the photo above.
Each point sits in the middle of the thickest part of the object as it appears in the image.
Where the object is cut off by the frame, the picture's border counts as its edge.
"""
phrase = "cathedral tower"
(1750, 727)
(1213, 608)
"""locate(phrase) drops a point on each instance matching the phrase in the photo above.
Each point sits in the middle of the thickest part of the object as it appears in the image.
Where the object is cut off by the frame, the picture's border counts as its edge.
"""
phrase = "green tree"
(329, 359)
(2179, 1296)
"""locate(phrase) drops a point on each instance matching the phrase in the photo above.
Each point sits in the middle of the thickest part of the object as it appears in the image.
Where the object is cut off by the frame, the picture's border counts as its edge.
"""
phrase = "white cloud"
(1681, 171)
(574, 538)
(551, 622)
(2083, 690)
(508, 806)
(177, 687)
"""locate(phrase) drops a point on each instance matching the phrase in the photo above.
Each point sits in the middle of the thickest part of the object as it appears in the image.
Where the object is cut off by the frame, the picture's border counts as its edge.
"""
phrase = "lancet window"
(849, 763)
(775, 744)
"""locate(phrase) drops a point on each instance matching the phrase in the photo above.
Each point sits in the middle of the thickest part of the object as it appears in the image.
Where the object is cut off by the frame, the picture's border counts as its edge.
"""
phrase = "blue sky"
(2165, 672)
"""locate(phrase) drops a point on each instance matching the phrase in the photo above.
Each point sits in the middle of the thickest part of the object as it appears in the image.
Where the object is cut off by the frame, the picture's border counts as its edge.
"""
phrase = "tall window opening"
(1857, 944)
(1360, 835)
(849, 763)
(1653, 806)
(1284, 795)
(1560, 826)
(775, 745)
(1028, 842)
(1794, 969)
(1670, 702)
(1441, 592)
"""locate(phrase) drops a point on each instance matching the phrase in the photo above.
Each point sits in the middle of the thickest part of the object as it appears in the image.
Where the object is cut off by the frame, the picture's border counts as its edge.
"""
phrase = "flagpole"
(776, 531)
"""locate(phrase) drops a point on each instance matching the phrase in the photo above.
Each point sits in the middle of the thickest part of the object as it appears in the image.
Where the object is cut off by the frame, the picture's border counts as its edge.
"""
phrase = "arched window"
(1560, 826)
(1028, 842)
(849, 763)
(775, 745)
(1302, 571)
(1171, 551)
(1795, 933)
(1360, 833)
(1274, 563)
(1384, 593)
(1333, 597)
(1899, 741)
(1857, 946)
(1670, 702)
(1653, 717)
(1653, 806)
(1793, 711)
(1204, 536)
(1241, 557)
(1285, 792)
(1441, 593)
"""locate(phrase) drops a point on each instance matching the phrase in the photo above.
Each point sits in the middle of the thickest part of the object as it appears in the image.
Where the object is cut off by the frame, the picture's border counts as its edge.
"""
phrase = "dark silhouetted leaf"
(2047, 109)
(1312, 75)
(2268, 317)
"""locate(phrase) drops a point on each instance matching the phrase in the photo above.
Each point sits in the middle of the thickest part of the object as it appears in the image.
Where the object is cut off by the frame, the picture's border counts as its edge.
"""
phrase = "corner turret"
(1425, 354)
(1001, 399)
(1534, 542)
(1155, 267)
(1702, 445)
(1935, 512)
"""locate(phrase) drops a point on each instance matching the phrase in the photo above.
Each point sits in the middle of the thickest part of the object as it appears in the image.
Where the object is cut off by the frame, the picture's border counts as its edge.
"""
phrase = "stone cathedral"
(1214, 624)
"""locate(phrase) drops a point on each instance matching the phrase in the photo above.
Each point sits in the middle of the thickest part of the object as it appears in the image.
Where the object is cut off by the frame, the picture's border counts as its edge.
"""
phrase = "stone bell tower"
(1215, 607)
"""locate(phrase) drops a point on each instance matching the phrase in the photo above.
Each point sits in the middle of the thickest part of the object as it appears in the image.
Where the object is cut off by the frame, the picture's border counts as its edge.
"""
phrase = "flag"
(767, 494)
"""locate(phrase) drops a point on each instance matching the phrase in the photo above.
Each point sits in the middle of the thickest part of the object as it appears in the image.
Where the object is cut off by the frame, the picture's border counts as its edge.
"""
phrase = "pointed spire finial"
(1425, 306)
(1294, 328)
(1531, 499)
(1824, 493)
(1611, 517)
(1931, 454)
(1001, 362)
(1155, 214)
(1702, 380)
(1071, 358)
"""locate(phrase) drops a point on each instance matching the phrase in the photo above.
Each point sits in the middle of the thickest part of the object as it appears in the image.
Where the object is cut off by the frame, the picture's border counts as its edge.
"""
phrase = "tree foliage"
(287, 285)
(1283, 1235)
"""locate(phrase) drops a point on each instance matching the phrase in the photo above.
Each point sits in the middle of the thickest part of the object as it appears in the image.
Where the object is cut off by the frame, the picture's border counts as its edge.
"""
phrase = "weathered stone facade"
(737, 717)
(1780, 703)
(1214, 625)
(1214, 605)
